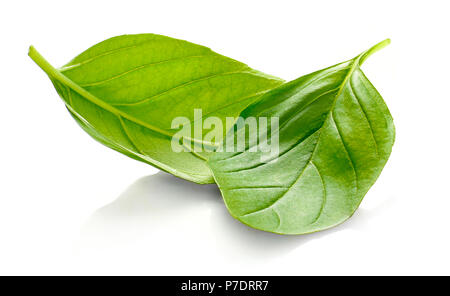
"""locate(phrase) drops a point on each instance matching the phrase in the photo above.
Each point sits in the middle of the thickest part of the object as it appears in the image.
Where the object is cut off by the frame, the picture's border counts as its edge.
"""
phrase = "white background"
(68, 205)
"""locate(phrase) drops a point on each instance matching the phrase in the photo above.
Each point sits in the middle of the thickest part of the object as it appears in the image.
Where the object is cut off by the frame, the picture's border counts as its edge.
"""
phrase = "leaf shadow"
(158, 206)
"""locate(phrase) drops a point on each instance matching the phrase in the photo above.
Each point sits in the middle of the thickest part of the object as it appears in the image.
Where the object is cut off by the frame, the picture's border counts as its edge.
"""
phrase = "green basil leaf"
(335, 136)
(126, 91)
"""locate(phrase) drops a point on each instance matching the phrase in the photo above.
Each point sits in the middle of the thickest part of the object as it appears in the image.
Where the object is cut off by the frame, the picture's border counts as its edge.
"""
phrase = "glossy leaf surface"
(126, 91)
(335, 133)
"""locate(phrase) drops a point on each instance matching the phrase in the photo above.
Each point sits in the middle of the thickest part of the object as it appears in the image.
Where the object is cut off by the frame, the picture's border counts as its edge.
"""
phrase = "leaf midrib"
(53, 72)
(355, 64)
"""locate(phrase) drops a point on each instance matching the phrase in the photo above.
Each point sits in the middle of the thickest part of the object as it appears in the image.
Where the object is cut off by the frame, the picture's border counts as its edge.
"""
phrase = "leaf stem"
(365, 55)
(42, 62)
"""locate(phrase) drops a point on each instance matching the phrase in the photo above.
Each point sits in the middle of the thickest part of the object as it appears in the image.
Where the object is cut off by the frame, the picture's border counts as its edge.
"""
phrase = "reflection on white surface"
(162, 214)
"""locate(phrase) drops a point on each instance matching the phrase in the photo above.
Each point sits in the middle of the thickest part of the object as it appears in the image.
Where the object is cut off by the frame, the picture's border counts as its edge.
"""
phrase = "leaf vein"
(290, 186)
(122, 125)
(345, 149)
(278, 156)
(365, 115)
(310, 83)
(145, 100)
(324, 194)
(97, 83)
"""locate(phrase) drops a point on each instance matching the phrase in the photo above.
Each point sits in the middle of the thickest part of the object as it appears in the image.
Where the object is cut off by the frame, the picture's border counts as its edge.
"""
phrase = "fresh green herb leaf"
(335, 135)
(126, 91)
